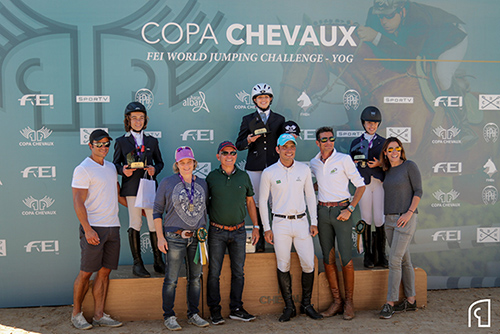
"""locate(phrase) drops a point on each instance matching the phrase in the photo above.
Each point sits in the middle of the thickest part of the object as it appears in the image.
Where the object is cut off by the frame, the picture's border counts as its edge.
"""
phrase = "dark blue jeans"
(218, 241)
(181, 251)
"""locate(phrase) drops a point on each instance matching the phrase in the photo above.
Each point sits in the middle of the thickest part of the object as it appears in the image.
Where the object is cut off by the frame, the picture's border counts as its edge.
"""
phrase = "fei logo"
(38, 100)
(197, 102)
(42, 172)
(476, 308)
(448, 167)
(198, 135)
(448, 101)
(449, 235)
(45, 246)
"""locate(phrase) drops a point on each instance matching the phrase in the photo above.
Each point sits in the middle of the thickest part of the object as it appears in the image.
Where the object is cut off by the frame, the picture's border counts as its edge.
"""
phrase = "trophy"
(136, 159)
(359, 153)
(257, 127)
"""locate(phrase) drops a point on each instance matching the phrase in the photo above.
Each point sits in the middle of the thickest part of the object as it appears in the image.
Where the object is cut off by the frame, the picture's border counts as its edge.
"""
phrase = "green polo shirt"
(227, 196)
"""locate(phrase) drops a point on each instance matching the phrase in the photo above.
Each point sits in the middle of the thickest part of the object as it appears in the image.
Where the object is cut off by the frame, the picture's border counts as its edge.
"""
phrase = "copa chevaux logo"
(39, 207)
(446, 136)
(36, 137)
(446, 199)
(245, 99)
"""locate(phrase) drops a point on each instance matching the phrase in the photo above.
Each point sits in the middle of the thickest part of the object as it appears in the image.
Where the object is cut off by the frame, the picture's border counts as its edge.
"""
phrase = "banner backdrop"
(68, 67)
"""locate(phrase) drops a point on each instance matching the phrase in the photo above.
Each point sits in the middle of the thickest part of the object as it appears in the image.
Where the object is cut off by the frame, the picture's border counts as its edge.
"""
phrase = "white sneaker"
(172, 324)
(106, 321)
(80, 322)
(196, 320)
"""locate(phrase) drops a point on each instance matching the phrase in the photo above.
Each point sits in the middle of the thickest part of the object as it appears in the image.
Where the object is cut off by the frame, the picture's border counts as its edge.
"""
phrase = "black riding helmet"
(371, 114)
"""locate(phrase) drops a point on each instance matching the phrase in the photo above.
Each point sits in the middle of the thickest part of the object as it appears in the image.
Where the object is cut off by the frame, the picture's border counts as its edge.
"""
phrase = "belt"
(227, 227)
(330, 204)
(290, 216)
(185, 234)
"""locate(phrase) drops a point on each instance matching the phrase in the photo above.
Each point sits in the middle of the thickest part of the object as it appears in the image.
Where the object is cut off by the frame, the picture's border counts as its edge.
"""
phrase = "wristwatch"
(350, 208)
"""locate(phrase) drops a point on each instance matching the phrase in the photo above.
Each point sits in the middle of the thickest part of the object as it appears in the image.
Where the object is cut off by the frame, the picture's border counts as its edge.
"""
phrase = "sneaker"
(80, 322)
(216, 317)
(387, 312)
(241, 314)
(196, 320)
(405, 306)
(106, 321)
(172, 324)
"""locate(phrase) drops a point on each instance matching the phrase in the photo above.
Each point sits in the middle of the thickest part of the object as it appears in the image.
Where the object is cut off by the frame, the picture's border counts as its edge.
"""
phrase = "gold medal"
(191, 207)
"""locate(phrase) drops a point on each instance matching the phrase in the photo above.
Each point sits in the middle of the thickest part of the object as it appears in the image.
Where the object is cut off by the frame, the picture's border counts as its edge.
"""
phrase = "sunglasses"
(325, 139)
(226, 153)
(183, 148)
(388, 16)
(397, 148)
(99, 145)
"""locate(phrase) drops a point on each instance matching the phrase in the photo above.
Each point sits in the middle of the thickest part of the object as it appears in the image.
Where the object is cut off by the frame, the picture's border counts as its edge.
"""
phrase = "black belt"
(290, 216)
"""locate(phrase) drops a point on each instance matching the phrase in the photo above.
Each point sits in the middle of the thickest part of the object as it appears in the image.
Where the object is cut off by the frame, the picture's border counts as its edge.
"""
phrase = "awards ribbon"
(360, 228)
(201, 251)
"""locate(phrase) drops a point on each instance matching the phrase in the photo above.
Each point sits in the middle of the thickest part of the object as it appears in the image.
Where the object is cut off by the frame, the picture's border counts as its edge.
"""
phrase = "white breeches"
(135, 215)
(372, 203)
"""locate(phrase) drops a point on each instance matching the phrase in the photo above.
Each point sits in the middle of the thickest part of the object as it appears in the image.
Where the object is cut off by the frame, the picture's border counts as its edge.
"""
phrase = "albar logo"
(198, 135)
(398, 99)
(146, 97)
(490, 132)
(85, 134)
(38, 206)
(42, 172)
(402, 133)
(448, 101)
(481, 313)
(448, 167)
(446, 199)
(449, 235)
(43, 246)
(38, 100)
(351, 99)
(93, 99)
(36, 137)
(489, 195)
(489, 102)
(197, 102)
(3, 247)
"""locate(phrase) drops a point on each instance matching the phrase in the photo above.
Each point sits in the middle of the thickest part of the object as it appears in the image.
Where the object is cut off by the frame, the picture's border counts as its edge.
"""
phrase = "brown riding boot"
(348, 273)
(333, 279)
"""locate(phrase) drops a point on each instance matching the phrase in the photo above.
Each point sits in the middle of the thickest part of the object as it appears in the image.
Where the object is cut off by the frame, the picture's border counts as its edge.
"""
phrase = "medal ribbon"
(190, 194)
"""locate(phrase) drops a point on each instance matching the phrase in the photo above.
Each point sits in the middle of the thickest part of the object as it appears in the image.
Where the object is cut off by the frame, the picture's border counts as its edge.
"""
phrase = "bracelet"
(411, 211)
(256, 226)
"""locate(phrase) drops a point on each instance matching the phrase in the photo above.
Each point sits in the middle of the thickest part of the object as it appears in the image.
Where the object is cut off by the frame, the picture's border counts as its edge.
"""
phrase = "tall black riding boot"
(381, 241)
(285, 283)
(260, 247)
(134, 238)
(307, 287)
(159, 264)
(367, 245)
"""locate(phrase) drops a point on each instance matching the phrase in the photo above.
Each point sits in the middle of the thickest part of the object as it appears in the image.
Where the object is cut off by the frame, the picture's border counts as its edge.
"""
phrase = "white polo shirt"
(333, 176)
(287, 186)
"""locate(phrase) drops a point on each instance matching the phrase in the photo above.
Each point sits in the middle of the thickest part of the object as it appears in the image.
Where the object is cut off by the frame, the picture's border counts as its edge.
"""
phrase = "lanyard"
(190, 194)
(140, 148)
